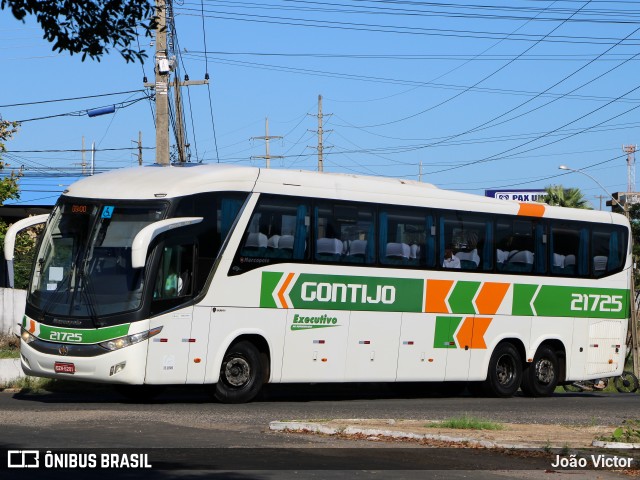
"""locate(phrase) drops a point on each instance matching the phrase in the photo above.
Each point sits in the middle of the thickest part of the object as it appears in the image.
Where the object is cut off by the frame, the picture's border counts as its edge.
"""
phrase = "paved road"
(187, 419)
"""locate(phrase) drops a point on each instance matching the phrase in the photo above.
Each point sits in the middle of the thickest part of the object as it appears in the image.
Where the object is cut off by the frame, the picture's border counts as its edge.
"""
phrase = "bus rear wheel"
(241, 374)
(505, 372)
(541, 376)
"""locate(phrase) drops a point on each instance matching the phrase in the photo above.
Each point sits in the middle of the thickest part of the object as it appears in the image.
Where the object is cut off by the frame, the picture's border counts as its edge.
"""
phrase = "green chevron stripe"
(522, 296)
(461, 299)
(270, 281)
(445, 328)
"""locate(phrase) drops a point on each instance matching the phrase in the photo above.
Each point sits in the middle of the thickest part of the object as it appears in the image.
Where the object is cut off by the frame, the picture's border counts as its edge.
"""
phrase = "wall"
(12, 303)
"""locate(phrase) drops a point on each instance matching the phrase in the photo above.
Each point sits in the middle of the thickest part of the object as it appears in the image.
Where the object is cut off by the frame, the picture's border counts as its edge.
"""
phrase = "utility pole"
(266, 139)
(93, 158)
(83, 163)
(630, 150)
(182, 147)
(163, 69)
(420, 172)
(601, 197)
(139, 142)
(162, 86)
(320, 133)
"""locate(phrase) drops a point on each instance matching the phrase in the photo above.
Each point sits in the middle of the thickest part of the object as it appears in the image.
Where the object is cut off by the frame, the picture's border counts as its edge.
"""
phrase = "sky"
(468, 96)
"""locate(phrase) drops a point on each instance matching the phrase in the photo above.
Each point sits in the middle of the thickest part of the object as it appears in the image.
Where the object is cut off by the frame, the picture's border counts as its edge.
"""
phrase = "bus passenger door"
(168, 354)
(198, 344)
(169, 350)
(422, 356)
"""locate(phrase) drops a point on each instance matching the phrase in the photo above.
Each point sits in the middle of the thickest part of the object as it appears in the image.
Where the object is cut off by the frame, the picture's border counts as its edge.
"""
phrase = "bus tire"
(505, 371)
(241, 374)
(626, 383)
(541, 376)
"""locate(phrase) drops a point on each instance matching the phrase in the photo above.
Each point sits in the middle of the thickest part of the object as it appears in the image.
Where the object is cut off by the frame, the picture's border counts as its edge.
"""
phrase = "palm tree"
(559, 196)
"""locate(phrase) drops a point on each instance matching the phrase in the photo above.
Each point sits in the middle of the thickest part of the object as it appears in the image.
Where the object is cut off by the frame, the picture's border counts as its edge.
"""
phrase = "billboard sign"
(527, 195)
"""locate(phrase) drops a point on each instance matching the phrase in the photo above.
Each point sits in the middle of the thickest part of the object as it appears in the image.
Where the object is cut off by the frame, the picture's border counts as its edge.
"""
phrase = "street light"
(614, 199)
(633, 318)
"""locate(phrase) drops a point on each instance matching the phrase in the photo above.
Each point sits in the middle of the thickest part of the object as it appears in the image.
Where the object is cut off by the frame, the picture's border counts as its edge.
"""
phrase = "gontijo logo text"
(340, 292)
(358, 293)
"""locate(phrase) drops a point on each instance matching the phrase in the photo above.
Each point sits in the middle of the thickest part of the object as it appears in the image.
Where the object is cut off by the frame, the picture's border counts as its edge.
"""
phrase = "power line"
(70, 99)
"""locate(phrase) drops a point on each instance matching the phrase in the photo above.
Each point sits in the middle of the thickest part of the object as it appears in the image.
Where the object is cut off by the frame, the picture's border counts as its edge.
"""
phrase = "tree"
(634, 219)
(9, 189)
(559, 196)
(8, 185)
(90, 27)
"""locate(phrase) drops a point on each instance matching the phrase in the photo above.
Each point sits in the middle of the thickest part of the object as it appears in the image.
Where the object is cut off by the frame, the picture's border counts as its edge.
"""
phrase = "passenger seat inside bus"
(519, 261)
(329, 249)
(600, 265)
(255, 245)
(469, 260)
(356, 251)
(398, 253)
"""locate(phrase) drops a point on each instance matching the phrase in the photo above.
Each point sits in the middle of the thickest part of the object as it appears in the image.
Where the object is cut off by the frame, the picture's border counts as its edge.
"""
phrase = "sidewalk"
(529, 436)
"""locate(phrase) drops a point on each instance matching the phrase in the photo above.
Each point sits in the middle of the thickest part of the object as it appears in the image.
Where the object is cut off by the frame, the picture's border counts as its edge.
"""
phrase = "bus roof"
(167, 182)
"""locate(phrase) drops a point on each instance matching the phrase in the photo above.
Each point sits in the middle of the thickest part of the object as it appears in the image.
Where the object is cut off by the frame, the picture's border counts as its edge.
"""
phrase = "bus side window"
(569, 247)
(470, 239)
(277, 232)
(403, 238)
(607, 250)
(345, 233)
(175, 273)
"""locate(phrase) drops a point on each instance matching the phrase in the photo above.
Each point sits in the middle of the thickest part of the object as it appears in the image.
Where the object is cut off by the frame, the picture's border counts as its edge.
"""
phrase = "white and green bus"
(238, 276)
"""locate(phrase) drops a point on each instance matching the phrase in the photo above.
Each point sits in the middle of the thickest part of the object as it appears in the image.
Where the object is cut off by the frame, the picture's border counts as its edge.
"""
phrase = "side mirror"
(143, 239)
(10, 240)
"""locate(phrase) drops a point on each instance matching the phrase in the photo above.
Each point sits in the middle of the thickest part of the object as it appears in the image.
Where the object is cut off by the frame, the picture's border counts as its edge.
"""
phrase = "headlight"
(118, 343)
(26, 336)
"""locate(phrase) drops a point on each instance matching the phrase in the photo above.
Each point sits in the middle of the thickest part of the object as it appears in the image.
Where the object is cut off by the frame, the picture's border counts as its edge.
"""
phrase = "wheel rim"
(625, 383)
(505, 370)
(545, 373)
(237, 372)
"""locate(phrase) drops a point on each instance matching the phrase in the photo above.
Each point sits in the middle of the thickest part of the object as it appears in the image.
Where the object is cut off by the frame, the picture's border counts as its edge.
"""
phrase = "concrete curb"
(10, 369)
(374, 432)
(620, 445)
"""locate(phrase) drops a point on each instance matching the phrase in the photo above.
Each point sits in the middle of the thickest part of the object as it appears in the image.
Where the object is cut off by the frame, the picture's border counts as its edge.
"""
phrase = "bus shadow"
(78, 392)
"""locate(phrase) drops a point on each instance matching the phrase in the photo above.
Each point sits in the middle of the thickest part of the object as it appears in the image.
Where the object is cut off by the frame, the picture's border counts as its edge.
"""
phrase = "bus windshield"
(83, 266)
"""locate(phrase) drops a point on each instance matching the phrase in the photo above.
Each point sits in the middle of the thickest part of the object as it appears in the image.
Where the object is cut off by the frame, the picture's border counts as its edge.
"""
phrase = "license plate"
(60, 367)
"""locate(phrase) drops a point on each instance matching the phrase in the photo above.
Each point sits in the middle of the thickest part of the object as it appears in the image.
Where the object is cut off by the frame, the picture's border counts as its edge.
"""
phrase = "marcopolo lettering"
(347, 292)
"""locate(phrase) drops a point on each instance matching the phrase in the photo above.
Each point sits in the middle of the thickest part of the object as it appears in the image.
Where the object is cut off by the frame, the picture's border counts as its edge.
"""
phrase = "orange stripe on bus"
(283, 289)
(465, 333)
(480, 326)
(490, 297)
(531, 209)
(436, 294)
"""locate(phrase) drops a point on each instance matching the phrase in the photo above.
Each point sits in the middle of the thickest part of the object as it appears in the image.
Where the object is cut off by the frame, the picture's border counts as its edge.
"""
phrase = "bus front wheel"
(541, 376)
(505, 371)
(241, 374)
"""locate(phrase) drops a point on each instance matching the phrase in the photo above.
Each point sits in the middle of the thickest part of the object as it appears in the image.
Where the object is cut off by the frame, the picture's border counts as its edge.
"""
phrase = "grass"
(466, 422)
(31, 384)
(9, 346)
(628, 432)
